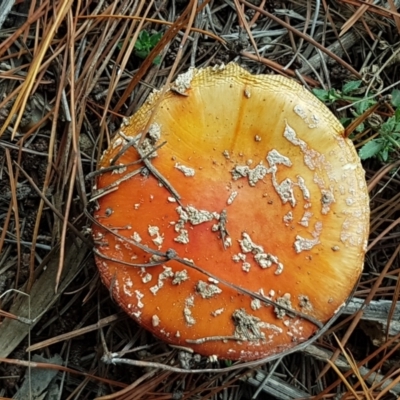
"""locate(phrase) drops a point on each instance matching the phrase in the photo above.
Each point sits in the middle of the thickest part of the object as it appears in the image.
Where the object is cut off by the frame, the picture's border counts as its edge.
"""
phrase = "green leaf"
(384, 154)
(371, 149)
(326, 96)
(321, 94)
(396, 97)
(146, 43)
(157, 60)
(154, 39)
(139, 46)
(360, 127)
(363, 106)
(345, 121)
(396, 132)
(351, 86)
(142, 53)
(144, 37)
(388, 126)
(397, 115)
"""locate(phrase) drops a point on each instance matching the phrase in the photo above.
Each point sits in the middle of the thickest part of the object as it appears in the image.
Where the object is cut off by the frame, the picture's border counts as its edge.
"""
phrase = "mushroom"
(238, 226)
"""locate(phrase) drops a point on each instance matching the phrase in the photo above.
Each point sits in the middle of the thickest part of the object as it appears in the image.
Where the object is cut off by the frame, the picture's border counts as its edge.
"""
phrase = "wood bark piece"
(5, 8)
(35, 386)
(276, 387)
(42, 296)
(377, 311)
(346, 42)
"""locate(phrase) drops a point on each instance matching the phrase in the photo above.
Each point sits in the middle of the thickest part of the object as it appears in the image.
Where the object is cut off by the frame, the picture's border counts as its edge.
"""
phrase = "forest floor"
(70, 71)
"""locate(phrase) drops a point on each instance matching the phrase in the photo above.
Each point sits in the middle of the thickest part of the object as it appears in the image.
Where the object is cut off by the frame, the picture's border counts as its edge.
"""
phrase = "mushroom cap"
(269, 235)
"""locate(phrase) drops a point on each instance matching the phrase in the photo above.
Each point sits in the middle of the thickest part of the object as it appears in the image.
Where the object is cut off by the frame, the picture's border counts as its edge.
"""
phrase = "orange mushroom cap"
(245, 231)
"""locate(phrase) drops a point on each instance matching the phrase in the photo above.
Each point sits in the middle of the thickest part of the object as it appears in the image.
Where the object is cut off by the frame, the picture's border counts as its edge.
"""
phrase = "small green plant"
(332, 95)
(387, 143)
(145, 43)
(388, 140)
(360, 105)
(228, 363)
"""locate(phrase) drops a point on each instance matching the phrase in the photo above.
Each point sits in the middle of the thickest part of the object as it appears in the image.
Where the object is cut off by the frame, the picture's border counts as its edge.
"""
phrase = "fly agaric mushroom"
(238, 226)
